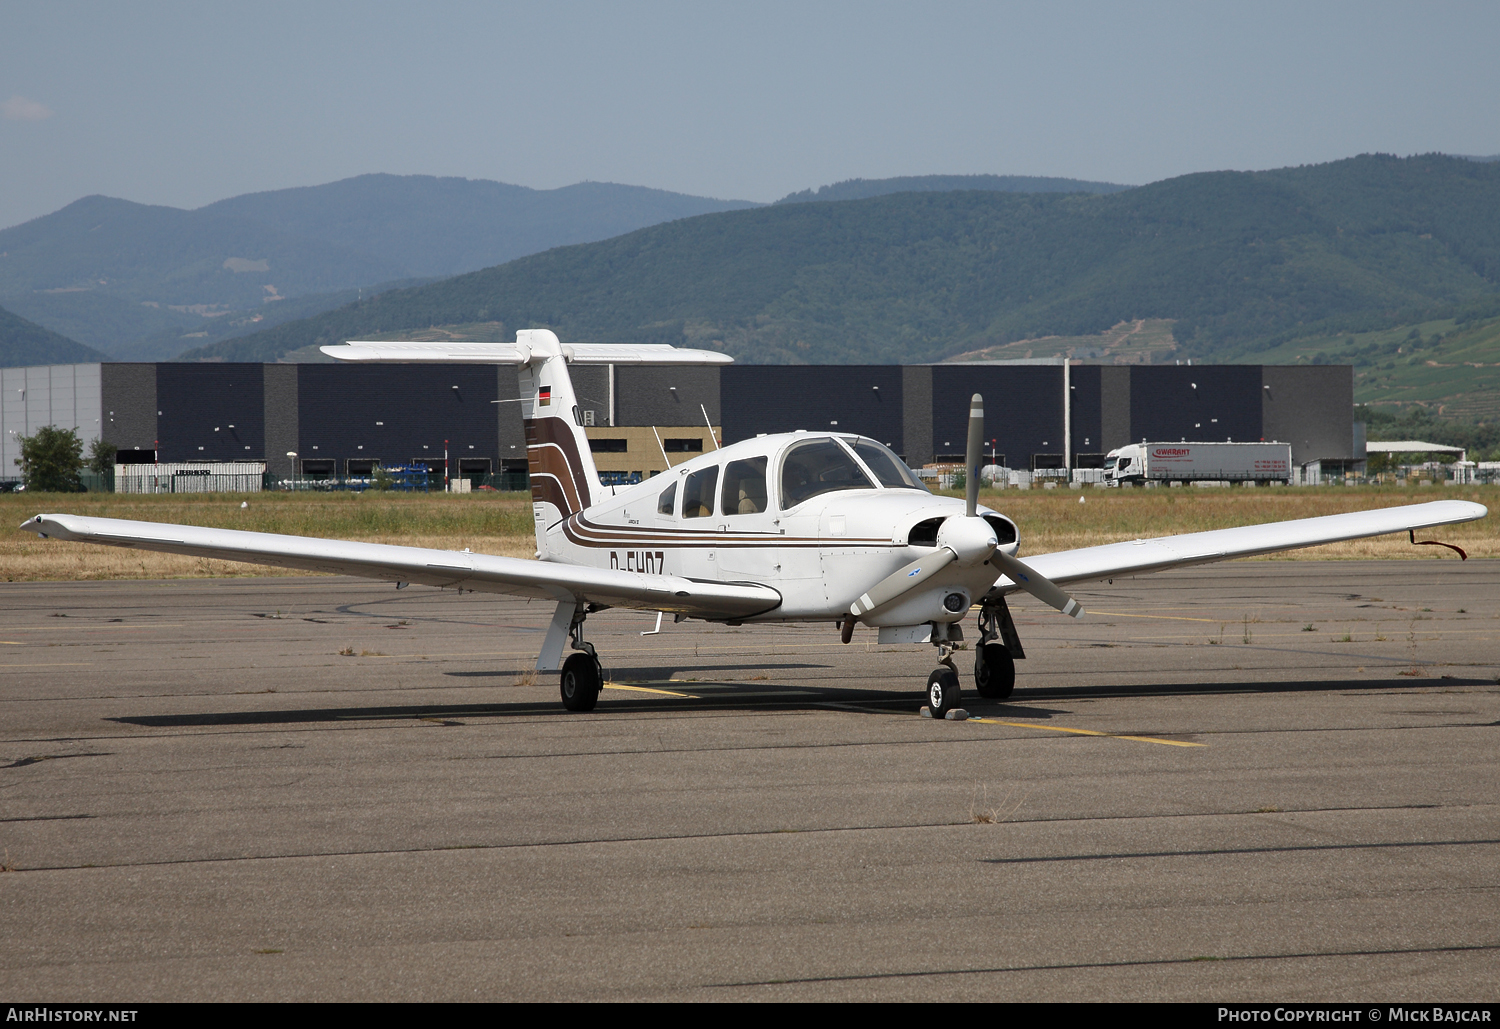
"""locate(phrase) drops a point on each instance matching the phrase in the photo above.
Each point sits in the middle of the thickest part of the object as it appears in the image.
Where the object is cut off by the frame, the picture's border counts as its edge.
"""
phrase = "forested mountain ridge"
(863, 189)
(112, 272)
(24, 343)
(1232, 257)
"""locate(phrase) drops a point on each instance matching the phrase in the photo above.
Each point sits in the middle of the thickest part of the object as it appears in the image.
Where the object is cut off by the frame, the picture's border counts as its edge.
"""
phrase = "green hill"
(1236, 259)
(24, 343)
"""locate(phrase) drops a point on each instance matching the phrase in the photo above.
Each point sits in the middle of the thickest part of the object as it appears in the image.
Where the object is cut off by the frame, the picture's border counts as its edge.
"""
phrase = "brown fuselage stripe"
(588, 534)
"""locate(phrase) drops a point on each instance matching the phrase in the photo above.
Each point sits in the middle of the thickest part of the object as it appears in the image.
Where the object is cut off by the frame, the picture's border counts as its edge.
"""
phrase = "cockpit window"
(698, 493)
(668, 500)
(888, 468)
(744, 487)
(816, 467)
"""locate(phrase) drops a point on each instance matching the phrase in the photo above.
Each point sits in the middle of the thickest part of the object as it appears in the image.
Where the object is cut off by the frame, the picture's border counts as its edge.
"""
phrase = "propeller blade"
(974, 455)
(901, 580)
(1038, 585)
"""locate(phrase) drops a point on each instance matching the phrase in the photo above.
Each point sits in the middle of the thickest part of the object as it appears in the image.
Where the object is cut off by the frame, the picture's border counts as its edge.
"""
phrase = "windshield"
(816, 467)
(888, 468)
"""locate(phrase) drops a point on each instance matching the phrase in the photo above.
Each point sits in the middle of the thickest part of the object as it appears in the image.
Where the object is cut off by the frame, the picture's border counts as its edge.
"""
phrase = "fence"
(406, 480)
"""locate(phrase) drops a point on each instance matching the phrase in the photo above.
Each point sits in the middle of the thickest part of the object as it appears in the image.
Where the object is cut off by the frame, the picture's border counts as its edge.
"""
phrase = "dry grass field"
(501, 523)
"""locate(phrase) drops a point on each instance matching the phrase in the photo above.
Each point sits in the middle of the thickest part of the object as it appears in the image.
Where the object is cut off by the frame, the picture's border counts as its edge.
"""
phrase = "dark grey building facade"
(342, 418)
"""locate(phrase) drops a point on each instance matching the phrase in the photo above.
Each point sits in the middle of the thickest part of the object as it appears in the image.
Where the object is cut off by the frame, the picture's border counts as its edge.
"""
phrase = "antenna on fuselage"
(663, 446)
(709, 422)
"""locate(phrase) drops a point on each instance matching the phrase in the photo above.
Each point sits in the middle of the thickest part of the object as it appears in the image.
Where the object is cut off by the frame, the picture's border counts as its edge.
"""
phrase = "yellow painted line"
(1169, 618)
(11, 643)
(647, 689)
(1089, 732)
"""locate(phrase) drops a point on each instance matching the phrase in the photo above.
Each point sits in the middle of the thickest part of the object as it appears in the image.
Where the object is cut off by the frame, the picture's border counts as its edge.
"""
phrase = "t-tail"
(564, 480)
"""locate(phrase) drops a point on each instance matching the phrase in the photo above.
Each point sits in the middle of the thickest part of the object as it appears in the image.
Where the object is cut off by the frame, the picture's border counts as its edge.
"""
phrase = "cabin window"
(816, 467)
(698, 493)
(744, 487)
(888, 468)
(668, 500)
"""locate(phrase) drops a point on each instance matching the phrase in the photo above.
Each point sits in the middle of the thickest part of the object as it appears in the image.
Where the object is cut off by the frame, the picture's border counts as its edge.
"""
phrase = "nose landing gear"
(944, 694)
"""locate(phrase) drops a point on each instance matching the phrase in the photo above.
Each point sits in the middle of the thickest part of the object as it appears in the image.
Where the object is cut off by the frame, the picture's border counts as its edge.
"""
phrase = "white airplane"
(797, 527)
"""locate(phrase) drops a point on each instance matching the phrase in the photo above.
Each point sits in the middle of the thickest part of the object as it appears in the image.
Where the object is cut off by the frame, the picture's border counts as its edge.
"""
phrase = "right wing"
(1137, 557)
(483, 573)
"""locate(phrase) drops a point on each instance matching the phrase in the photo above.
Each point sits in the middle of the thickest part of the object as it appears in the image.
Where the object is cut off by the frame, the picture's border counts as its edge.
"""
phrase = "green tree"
(101, 456)
(51, 460)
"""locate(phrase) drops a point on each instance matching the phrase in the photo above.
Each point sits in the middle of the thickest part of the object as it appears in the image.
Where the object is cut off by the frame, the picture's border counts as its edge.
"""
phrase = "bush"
(51, 460)
(102, 456)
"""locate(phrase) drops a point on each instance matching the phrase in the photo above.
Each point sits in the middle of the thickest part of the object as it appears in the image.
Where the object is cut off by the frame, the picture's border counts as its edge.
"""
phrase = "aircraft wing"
(482, 573)
(1138, 557)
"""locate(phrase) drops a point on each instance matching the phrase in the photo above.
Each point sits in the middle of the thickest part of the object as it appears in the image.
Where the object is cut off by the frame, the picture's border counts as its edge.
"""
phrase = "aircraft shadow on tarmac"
(653, 675)
(677, 695)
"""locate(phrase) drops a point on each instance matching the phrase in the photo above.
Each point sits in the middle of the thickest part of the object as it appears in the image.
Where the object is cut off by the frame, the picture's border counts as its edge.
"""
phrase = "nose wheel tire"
(994, 671)
(581, 681)
(942, 692)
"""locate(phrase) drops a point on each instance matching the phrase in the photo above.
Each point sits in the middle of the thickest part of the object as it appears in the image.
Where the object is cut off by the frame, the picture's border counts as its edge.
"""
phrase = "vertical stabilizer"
(563, 477)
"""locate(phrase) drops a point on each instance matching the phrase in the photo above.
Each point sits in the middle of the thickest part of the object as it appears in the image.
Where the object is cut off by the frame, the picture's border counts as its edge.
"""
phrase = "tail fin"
(564, 480)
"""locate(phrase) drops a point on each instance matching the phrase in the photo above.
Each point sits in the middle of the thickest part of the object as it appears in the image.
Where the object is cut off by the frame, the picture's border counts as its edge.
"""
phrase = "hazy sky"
(187, 103)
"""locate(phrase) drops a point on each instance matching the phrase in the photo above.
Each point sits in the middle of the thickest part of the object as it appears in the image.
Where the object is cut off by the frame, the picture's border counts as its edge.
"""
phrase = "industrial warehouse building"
(341, 420)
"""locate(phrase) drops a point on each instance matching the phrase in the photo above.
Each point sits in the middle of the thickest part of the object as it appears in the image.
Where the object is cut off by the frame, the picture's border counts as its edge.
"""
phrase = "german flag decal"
(544, 398)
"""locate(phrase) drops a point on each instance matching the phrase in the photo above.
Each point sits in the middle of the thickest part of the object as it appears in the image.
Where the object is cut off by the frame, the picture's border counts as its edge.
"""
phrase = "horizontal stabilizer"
(520, 353)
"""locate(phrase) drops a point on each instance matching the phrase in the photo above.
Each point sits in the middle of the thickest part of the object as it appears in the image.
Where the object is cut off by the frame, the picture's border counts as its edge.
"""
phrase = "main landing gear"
(582, 677)
(995, 654)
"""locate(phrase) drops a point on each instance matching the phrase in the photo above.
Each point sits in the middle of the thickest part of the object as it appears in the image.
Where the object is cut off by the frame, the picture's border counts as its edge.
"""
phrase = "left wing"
(1138, 557)
(482, 573)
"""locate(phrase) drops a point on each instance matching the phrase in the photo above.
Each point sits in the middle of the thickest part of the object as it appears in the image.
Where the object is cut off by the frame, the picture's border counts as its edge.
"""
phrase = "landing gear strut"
(996, 653)
(943, 691)
(582, 678)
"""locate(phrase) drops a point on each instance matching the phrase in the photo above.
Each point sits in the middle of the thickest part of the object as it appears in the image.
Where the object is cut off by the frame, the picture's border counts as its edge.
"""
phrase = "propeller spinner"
(968, 540)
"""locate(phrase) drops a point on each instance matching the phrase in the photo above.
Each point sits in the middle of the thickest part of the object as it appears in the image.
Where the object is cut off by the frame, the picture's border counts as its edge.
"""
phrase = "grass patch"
(1049, 520)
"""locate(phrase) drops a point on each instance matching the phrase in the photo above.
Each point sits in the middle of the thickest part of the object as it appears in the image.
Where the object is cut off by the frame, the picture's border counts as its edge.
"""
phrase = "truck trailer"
(1260, 463)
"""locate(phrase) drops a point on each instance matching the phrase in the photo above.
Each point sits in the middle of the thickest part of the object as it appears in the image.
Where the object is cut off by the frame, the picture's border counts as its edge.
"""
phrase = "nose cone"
(971, 539)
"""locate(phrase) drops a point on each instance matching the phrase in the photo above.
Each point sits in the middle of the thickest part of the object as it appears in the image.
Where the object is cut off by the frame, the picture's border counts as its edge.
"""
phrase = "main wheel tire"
(942, 692)
(581, 680)
(994, 671)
